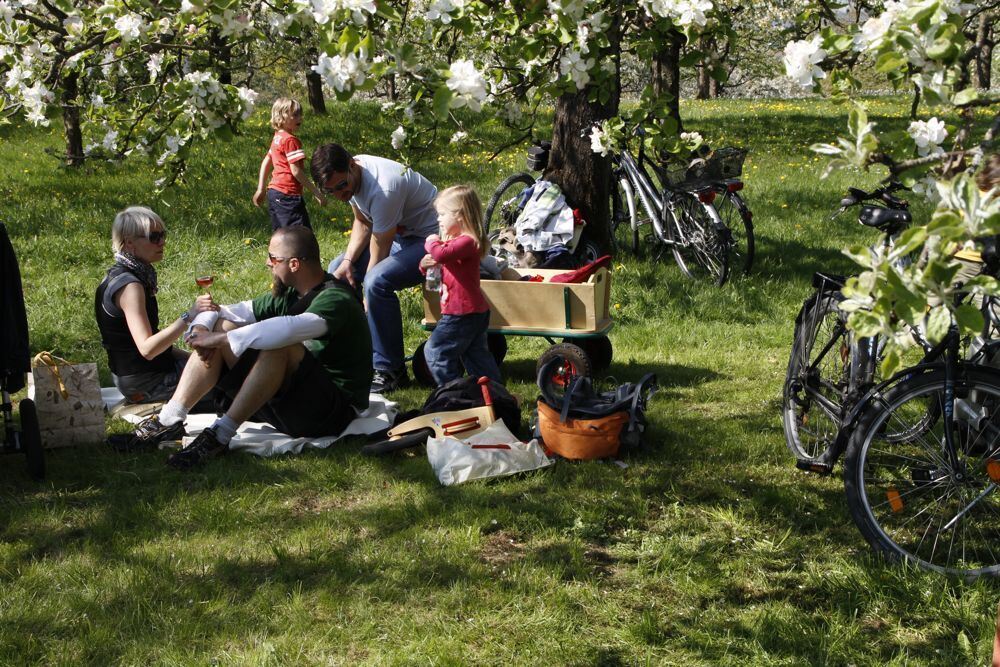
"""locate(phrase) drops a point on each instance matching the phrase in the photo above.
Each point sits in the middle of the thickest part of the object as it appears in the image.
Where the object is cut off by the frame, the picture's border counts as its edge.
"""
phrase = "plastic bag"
(492, 453)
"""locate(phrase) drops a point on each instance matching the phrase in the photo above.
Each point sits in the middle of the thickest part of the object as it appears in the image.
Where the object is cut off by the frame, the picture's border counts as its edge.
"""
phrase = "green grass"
(710, 548)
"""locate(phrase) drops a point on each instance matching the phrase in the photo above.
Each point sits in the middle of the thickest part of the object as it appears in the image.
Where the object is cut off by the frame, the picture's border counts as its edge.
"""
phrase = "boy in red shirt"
(286, 159)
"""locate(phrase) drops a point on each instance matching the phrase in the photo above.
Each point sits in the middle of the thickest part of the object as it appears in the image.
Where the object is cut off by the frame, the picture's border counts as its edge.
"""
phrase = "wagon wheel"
(421, 371)
(598, 350)
(573, 363)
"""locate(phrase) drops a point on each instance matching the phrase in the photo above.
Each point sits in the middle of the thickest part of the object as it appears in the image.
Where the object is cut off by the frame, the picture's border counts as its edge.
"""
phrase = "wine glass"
(204, 277)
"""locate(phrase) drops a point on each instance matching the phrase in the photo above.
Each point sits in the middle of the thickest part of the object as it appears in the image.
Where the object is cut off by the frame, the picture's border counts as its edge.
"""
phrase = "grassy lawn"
(709, 548)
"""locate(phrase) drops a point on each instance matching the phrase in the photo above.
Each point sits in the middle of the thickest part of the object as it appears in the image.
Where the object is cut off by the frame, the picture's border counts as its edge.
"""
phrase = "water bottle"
(433, 283)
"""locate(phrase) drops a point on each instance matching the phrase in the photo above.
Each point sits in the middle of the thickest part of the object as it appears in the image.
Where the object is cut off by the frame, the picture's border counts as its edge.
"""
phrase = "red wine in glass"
(204, 281)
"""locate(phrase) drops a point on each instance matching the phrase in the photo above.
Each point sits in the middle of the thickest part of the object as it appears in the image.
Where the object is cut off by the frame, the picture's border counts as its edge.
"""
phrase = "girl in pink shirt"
(459, 339)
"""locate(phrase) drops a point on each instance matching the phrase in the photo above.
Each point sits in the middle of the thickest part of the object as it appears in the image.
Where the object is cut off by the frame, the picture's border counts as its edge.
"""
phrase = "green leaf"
(890, 362)
(442, 98)
(969, 319)
(866, 324)
(860, 254)
(938, 321)
(965, 97)
(889, 62)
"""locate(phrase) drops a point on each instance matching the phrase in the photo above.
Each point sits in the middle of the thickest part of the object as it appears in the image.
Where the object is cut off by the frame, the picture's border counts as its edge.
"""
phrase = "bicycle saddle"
(888, 220)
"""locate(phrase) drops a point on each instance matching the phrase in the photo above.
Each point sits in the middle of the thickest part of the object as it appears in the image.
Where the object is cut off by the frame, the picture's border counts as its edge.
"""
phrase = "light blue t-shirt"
(394, 196)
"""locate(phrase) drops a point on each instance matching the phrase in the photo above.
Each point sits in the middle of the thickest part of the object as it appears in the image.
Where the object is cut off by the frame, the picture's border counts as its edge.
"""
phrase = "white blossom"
(571, 8)
(6, 12)
(248, 99)
(600, 141)
(458, 137)
(231, 23)
(110, 140)
(801, 61)
(97, 101)
(130, 26)
(398, 137)
(692, 137)
(466, 84)
(682, 12)
(154, 65)
(339, 72)
(928, 135)
(73, 24)
(576, 68)
(440, 10)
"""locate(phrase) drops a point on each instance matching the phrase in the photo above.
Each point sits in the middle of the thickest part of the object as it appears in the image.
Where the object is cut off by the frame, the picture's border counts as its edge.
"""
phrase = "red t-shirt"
(459, 260)
(286, 149)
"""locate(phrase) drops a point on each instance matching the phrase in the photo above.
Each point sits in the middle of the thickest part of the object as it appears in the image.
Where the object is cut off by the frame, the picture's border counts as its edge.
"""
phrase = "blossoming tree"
(918, 44)
(137, 76)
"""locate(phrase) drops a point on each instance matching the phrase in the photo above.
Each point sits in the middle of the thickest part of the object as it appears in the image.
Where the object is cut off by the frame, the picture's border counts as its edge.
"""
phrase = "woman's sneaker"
(204, 447)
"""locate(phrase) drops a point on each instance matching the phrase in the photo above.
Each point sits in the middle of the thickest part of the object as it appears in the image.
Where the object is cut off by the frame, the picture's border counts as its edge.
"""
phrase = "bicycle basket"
(718, 165)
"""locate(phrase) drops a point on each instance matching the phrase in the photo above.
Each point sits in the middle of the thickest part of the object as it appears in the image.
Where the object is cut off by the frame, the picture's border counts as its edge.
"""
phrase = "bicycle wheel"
(818, 378)
(504, 205)
(908, 499)
(735, 215)
(698, 239)
(624, 222)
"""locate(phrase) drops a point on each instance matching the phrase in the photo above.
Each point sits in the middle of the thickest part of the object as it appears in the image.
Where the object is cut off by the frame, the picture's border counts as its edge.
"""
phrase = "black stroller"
(15, 361)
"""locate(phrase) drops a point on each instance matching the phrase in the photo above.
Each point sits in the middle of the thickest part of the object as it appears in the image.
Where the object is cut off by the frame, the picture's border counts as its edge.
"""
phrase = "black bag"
(581, 401)
(466, 393)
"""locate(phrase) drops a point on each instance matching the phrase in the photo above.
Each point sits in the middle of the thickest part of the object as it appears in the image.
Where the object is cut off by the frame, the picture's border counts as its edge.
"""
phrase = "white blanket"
(265, 440)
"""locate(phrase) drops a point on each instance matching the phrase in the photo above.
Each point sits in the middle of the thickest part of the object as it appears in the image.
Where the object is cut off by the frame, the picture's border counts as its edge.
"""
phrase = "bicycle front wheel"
(818, 378)
(906, 495)
(624, 222)
(698, 239)
(735, 215)
(505, 204)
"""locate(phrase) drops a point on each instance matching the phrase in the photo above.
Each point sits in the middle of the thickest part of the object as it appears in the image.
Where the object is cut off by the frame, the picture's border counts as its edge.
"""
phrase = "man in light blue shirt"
(393, 215)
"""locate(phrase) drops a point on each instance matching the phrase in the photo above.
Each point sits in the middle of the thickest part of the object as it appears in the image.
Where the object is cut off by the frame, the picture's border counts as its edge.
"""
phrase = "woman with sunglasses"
(144, 364)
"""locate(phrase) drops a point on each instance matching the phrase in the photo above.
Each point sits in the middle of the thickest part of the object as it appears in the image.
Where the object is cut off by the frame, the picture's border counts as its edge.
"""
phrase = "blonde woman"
(144, 364)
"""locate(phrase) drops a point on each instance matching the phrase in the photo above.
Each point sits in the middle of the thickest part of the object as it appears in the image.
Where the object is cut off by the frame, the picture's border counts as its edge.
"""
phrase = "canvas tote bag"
(68, 399)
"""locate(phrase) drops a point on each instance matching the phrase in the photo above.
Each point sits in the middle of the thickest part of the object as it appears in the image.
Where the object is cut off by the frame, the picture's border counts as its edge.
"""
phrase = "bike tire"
(699, 247)
(624, 221)
(904, 494)
(31, 439)
(736, 215)
(502, 209)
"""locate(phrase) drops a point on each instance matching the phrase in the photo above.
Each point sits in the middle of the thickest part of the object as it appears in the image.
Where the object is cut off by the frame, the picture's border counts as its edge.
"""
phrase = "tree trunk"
(715, 89)
(583, 175)
(71, 120)
(984, 53)
(314, 85)
(704, 70)
(223, 57)
(667, 74)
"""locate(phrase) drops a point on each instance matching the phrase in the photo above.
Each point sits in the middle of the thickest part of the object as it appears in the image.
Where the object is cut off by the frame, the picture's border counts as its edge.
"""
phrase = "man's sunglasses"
(272, 259)
(157, 237)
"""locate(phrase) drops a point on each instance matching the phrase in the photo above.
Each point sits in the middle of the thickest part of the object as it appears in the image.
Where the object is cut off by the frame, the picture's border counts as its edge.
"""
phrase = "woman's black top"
(124, 357)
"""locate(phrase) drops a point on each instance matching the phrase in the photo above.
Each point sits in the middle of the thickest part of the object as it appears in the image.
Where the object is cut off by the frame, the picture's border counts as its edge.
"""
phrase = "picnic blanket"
(264, 439)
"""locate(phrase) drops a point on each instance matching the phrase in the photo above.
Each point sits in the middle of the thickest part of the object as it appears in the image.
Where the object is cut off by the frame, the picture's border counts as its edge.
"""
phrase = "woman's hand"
(433, 238)
(203, 303)
(427, 262)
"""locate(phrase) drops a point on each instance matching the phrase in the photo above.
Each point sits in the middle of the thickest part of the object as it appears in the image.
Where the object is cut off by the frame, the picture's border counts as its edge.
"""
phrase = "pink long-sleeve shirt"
(459, 260)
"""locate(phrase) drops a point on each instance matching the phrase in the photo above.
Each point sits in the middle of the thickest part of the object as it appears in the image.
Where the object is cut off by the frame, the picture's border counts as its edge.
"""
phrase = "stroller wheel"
(31, 439)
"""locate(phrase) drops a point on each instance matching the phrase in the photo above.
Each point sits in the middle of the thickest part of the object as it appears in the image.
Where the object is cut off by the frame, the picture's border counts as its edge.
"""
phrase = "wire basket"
(718, 165)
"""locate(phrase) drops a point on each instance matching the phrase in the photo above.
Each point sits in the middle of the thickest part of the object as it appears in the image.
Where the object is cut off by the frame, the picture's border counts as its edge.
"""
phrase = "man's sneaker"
(385, 381)
(204, 447)
(150, 433)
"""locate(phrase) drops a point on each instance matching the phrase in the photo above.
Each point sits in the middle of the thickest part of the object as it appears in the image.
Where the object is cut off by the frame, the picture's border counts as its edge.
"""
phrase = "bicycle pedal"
(818, 467)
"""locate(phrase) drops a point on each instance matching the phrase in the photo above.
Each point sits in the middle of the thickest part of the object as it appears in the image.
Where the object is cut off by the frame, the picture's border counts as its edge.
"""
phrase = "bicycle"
(512, 194)
(713, 178)
(829, 369)
(923, 464)
(680, 213)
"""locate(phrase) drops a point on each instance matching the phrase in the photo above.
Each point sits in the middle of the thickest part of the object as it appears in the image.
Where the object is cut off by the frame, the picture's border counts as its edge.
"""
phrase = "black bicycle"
(829, 368)
(923, 464)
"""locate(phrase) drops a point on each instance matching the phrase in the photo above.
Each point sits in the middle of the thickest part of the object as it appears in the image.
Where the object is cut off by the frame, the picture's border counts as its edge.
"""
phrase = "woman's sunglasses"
(157, 237)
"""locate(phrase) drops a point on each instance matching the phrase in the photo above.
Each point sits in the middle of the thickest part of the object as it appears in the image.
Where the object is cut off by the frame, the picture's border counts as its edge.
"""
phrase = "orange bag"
(595, 438)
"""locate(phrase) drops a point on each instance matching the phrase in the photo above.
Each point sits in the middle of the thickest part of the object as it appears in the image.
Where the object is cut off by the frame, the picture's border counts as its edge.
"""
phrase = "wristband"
(186, 317)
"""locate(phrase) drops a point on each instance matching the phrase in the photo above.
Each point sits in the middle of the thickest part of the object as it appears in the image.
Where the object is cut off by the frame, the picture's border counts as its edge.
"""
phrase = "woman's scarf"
(144, 271)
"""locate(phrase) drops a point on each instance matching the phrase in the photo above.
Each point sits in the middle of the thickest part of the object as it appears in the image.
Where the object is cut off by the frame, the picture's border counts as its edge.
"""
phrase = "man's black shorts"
(308, 405)
(286, 210)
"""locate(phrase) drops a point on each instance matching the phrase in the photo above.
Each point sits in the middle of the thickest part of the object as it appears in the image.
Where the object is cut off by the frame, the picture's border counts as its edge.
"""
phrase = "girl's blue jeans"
(459, 342)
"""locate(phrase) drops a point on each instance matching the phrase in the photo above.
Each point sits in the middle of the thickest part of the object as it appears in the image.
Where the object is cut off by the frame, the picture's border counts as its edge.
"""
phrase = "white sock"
(173, 412)
(225, 429)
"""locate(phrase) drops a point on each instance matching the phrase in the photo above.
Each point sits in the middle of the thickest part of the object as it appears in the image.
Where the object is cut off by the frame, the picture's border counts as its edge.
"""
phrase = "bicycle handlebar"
(882, 194)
